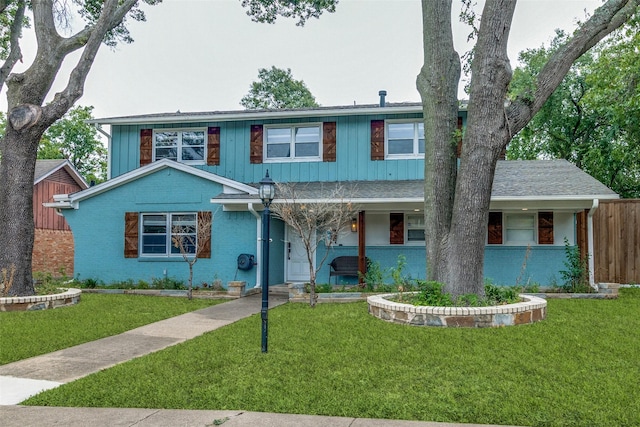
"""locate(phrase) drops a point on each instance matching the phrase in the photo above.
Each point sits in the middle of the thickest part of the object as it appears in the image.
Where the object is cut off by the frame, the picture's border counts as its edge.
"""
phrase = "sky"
(202, 55)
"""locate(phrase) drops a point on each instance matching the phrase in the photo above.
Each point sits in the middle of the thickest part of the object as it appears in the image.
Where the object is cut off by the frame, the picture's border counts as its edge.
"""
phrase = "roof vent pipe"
(382, 94)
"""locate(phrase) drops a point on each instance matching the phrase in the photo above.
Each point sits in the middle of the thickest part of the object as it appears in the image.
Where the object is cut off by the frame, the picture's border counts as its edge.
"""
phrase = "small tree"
(189, 236)
(315, 220)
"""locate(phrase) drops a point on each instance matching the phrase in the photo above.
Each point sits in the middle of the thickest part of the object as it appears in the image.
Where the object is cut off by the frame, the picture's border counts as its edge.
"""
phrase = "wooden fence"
(616, 235)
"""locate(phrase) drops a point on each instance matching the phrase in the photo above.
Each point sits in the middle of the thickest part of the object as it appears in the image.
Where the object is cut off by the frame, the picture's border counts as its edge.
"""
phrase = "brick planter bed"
(531, 309)
(41, 302)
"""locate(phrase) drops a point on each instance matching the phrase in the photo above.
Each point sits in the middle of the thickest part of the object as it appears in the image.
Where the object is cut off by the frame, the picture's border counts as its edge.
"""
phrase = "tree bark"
(457, 206)
(437, 84)
(27, 121)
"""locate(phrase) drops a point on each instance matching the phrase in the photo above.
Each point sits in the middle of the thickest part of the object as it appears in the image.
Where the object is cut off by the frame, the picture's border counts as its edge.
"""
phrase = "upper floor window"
(186, 146)
(404, 140)
(299, 142)
(161, 231)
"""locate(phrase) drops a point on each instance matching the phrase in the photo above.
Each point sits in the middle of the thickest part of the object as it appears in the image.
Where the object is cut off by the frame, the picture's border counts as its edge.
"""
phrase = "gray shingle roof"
(534, 179)
(44, 167)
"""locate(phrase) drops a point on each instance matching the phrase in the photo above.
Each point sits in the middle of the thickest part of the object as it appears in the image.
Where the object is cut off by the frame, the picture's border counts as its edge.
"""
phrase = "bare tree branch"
(316, 217)
(15, 53)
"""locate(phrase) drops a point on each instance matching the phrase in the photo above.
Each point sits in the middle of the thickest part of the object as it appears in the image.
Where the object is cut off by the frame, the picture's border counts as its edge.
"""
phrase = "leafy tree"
(579, 122)
(72, 138)
(457, 200)
(28, 118)
(276, 88)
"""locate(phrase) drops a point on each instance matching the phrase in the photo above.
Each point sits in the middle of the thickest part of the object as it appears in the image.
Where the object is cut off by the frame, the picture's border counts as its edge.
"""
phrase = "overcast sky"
(202, 55)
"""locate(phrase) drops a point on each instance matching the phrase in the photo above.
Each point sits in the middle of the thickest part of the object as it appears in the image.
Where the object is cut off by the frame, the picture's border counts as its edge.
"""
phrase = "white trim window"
(293, 143)
(184, 146)
(520, 228)
(159, 229)
(415, 227)
(404, 139)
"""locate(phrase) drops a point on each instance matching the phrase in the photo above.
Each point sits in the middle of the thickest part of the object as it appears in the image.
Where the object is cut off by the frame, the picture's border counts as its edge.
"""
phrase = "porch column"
(362, 257)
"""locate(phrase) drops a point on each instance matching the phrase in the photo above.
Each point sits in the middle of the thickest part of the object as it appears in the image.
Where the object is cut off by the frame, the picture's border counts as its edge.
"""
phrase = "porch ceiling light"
(267, 190)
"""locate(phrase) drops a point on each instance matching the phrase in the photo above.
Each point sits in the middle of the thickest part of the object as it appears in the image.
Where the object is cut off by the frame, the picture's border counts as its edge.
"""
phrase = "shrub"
(576, 276)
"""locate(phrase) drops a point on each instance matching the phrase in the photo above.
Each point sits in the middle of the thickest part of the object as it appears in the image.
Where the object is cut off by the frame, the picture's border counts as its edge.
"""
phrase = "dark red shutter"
(396, 228)
(204, 235)
(255, 144)
(545, 228)
(377, 139)
(213, 146)
(495, 228)
(131, 234)
(146, 146)
(329, 142)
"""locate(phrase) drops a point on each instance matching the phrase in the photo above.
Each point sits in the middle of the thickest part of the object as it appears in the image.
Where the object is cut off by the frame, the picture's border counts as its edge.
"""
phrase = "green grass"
(27, 334)
(579, 367)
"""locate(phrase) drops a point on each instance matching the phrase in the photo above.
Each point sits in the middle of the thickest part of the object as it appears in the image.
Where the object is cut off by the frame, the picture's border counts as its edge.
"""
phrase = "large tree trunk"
(437, 84)
(27, 119)
(16, 214)
(457, 206)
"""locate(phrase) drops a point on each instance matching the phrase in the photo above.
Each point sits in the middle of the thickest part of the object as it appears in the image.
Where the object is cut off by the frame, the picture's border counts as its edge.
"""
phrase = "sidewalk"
(24, 378)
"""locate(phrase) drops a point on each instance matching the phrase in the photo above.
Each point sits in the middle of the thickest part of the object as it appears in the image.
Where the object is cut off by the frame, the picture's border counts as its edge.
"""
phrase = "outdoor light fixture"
(354, 225)
(267, 192)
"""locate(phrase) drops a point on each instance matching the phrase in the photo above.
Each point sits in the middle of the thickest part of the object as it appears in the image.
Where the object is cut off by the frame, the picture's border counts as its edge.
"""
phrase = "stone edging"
(532, 309)
(40, 302)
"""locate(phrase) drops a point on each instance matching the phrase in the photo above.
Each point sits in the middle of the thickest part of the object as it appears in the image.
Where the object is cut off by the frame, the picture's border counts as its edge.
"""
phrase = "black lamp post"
(267, 192)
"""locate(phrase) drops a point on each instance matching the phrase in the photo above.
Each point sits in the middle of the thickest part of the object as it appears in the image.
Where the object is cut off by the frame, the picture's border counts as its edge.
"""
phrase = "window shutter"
(545, 228)
(396, 228)
(494, 230)
(146, 146)
(377, 139)
(213, 146)
(255, 144)
(204, 236)
(329, 142)
(131, 234)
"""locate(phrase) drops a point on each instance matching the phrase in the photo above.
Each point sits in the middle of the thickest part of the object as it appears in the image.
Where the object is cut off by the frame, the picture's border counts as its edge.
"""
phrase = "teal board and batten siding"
(353, 153)
(502, 265)
(99, 231)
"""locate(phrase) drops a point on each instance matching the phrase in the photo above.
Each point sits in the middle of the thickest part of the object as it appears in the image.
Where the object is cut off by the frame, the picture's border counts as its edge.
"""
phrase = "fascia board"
(258, 115)
(70, 169)
(554, 198)
(225, 201)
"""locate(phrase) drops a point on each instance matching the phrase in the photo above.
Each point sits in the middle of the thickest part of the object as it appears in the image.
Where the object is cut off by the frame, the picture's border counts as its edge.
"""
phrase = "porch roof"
(520, 180)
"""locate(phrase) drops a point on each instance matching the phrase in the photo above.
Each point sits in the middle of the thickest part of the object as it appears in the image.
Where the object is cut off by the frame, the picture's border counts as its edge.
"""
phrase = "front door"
(296, 258)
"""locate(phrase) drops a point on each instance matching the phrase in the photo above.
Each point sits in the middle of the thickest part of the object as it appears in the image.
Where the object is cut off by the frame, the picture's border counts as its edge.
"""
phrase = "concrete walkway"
(25, 378)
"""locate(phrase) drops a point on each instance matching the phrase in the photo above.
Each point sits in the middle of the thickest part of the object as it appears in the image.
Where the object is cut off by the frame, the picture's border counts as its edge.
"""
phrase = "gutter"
(108, 136)
(253, 211)
(590, 243)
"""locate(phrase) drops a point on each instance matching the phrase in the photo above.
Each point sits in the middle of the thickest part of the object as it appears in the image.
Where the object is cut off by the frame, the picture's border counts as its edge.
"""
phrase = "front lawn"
(579, 367)
(32, 333)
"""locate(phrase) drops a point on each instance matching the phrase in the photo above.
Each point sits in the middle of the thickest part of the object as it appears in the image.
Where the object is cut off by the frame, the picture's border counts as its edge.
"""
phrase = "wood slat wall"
(616, 229)
(46, 218)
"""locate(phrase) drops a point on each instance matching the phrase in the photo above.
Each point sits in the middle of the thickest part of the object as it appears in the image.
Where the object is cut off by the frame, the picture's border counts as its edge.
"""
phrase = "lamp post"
(267, 191)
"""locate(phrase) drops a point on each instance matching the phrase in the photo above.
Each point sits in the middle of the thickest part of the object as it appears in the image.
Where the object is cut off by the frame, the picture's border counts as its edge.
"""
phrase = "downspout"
(99, 129)
(258, 245)
(590, 243)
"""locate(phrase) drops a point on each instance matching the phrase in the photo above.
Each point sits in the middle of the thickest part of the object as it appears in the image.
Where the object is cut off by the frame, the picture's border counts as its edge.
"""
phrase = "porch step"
(279, 290)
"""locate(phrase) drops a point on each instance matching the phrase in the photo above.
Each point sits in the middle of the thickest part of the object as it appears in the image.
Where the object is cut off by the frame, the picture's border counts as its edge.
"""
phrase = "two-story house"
(168, 169)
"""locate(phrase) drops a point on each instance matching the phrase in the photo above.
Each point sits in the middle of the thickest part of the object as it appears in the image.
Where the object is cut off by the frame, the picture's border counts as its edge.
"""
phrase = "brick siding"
(53, 252)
